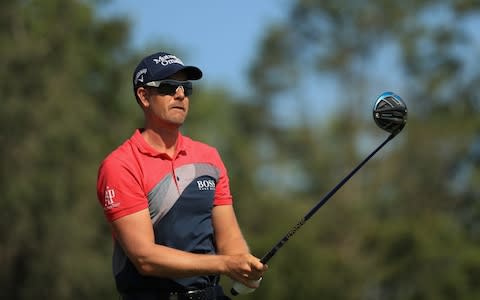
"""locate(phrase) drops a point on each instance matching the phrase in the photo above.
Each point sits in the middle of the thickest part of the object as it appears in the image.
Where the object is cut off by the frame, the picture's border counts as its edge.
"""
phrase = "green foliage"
(60, 99)
(405, 227)
(410, 231)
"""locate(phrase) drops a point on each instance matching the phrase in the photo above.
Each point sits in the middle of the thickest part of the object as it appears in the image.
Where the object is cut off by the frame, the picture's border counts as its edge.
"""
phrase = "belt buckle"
(196, 295)
(173, 296)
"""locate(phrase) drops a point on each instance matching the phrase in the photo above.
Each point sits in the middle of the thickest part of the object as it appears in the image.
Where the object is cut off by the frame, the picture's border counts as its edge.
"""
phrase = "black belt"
(209, 293)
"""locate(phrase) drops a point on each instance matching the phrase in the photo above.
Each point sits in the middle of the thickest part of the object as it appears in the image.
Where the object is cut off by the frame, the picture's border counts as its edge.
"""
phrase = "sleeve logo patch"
(109, 200)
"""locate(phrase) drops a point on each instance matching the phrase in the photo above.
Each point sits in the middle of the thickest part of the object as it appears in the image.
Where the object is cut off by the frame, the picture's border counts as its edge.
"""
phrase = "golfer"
(168, 201)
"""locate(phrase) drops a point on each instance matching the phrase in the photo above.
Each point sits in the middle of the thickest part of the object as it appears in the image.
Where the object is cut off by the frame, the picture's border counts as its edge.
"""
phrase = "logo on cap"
(139, 76)
(167, 60)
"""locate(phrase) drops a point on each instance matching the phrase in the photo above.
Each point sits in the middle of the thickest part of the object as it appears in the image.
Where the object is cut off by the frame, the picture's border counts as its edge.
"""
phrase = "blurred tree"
(61, 107)
(412, 219)
(406, 227)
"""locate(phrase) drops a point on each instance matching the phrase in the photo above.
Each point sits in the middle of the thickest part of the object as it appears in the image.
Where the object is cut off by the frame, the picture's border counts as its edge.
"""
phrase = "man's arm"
(228, 236)
(135, 234)
(230, 241)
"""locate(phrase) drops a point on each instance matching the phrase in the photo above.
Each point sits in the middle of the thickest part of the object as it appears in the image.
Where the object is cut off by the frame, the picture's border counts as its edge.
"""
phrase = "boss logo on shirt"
(206, 185)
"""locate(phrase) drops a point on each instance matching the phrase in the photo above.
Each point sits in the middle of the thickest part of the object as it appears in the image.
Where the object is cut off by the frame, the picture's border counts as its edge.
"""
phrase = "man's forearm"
(167, 262)
(235, 245)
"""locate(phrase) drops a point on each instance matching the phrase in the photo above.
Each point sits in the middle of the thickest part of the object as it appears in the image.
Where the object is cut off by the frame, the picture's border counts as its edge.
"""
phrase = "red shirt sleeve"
(119, 189)
(222, 189)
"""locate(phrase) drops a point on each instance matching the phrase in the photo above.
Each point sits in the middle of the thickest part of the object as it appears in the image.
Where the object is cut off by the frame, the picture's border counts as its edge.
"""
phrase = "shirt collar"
(142, 145)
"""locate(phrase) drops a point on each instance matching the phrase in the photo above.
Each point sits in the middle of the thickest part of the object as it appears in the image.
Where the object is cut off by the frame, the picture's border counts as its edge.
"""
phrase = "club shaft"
(322, 201)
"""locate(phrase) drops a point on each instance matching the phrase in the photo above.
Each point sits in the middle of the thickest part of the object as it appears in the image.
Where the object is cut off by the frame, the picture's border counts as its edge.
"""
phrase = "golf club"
(390, 114)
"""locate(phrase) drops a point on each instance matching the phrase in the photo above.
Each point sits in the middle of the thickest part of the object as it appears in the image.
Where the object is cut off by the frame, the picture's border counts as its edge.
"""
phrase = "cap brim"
(193, 73)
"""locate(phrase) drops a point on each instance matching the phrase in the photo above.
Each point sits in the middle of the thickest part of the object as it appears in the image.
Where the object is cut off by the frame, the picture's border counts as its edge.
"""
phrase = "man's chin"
(176, 123)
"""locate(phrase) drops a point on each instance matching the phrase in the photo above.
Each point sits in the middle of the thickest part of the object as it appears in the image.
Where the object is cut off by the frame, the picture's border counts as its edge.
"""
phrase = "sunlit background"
(287, 99)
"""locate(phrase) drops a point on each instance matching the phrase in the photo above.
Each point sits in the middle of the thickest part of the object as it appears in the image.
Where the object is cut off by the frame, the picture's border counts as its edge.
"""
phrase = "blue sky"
(220, 37)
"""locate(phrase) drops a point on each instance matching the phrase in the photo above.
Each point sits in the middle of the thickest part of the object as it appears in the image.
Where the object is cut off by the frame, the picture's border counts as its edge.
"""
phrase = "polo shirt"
(179, 192)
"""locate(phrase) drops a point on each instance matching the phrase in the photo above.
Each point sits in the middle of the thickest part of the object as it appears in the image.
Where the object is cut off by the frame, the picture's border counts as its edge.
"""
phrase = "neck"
(162, 139)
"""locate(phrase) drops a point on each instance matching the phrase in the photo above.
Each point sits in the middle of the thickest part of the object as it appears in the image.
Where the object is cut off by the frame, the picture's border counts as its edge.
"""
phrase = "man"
(168, 199)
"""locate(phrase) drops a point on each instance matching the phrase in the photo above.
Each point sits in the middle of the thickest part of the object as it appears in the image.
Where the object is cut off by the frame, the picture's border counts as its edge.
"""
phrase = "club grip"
(240, 289)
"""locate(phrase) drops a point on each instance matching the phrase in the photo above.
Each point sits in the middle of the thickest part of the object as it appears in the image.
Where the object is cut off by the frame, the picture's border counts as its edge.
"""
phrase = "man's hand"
(244, 268)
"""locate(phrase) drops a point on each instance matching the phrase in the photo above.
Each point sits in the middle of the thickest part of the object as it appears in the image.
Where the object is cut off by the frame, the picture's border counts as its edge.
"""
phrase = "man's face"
(166, 110)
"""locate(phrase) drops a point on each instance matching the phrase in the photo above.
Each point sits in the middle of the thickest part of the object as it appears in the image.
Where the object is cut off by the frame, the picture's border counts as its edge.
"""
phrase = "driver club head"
(390, 112)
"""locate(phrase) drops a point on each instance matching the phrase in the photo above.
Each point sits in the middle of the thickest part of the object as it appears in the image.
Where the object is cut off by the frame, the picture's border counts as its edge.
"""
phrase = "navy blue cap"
(159, 66)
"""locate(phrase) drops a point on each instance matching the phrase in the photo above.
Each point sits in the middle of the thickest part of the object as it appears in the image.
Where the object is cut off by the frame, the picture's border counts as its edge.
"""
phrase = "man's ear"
(142, 96)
